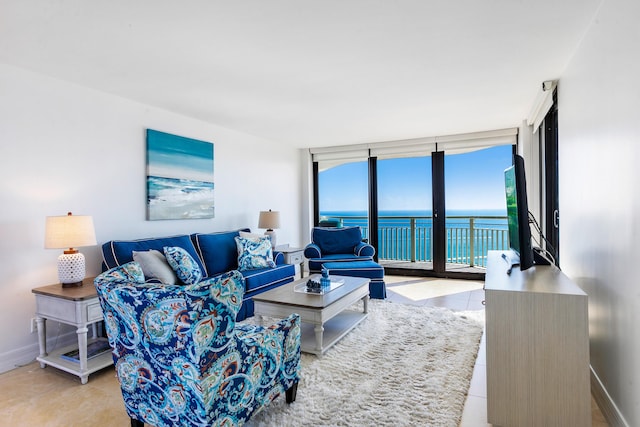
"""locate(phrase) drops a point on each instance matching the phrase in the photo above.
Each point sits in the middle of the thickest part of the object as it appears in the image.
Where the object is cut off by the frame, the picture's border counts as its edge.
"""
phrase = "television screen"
(518, 212)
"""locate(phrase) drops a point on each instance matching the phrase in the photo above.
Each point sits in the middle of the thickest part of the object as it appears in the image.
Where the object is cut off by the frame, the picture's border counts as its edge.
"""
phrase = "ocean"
(406, 235)
(173, 198)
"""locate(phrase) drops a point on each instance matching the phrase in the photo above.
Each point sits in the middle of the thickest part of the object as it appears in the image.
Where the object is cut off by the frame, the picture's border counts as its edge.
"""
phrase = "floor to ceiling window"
(432, 205)
(475, 205)
(343, 194)
(404, 210)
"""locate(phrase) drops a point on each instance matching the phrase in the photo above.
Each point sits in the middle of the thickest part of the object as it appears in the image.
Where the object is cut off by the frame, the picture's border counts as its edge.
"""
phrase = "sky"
(172, 156)
(473, 181)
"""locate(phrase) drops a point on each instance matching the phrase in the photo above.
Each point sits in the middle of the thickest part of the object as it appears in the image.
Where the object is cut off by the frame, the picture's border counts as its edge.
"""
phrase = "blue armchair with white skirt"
(343, 252)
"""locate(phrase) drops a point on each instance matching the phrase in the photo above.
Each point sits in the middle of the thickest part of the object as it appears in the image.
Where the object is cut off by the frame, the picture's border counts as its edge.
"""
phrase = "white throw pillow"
(155, 266)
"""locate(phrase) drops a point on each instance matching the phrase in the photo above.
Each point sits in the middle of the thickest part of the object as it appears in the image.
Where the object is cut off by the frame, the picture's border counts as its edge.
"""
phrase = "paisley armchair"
(182, 360)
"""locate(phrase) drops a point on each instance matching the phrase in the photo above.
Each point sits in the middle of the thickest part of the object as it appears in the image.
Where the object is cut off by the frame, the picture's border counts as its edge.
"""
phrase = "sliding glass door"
(475, 205)
(343, 195)
(431, 205)
(404, 212)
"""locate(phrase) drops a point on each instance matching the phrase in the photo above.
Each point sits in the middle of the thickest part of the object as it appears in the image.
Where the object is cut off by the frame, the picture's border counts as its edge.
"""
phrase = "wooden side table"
(73, 306)
(293, 256)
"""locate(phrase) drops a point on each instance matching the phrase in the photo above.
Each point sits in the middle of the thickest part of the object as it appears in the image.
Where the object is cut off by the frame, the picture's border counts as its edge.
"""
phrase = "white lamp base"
(272, 237)
(71, 269)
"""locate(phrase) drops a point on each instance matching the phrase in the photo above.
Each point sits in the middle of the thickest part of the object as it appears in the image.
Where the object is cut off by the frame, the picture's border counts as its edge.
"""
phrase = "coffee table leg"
(365, 300)
(319, 330)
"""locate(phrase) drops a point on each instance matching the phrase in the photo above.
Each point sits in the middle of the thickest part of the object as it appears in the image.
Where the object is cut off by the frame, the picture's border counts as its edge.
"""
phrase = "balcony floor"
(423, 268)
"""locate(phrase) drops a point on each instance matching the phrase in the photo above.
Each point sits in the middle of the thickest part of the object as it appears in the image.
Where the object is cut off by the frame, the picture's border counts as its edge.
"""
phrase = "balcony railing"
(410, 238)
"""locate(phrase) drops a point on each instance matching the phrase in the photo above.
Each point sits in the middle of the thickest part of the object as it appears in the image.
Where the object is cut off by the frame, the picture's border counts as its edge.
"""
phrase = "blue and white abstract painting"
(179, 177)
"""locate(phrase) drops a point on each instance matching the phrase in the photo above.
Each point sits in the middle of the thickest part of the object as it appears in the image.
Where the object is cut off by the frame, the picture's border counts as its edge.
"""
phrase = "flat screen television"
(515, 185)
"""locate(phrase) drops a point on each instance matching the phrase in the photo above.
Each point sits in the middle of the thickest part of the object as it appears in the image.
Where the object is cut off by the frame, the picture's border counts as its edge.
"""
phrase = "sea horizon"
(500, 212)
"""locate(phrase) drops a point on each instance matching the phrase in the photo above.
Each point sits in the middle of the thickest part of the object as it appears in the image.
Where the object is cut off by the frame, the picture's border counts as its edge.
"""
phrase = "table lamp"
(270, 220)
(70, 232)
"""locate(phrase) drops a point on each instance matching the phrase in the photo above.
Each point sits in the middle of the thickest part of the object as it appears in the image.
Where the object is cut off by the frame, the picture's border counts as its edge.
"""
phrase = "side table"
(293, 256)
(78, 307)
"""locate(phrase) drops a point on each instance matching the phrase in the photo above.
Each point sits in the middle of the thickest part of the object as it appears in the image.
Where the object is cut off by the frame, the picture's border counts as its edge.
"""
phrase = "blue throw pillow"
(183, 264)
(254, 253)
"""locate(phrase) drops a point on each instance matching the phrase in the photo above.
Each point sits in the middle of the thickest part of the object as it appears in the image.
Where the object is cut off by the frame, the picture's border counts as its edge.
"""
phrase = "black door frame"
(439, 220)
(551, 221)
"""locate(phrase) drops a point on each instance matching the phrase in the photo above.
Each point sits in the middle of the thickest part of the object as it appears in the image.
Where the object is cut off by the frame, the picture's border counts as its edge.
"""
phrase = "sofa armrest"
(364, 249)
(278, 257)
(312, 251)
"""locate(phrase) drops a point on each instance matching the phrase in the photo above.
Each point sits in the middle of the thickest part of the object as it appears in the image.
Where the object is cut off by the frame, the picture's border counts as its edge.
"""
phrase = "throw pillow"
(254, 253)
(155, 266)
(183, 264)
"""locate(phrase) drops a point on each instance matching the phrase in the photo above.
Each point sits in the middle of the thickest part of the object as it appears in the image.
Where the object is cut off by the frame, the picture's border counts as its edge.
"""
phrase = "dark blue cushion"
(336, 240)
(367, 269)
(120, 252)
(259, 278)
(315, 264)
(217, 250)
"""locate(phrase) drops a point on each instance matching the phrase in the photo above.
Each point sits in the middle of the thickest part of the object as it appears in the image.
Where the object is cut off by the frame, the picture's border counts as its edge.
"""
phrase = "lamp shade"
(69, 231)
(269, 219)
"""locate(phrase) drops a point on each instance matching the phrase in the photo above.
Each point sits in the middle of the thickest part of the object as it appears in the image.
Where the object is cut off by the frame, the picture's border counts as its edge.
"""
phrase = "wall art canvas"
(179, 177)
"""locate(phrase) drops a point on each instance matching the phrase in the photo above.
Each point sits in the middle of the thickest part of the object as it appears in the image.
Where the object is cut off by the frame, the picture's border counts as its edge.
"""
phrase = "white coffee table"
(325, 318)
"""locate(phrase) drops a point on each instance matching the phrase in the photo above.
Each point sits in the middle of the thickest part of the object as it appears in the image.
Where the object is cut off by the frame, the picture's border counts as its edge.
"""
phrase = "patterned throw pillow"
(183, 264)
(254, 253)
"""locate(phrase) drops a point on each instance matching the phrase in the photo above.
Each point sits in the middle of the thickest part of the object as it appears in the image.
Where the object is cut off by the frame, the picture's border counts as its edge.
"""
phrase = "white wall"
(599, 140)
(67, 148)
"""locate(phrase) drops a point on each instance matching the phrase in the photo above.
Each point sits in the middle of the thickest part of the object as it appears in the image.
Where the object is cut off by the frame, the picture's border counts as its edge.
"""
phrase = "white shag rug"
(402, 366)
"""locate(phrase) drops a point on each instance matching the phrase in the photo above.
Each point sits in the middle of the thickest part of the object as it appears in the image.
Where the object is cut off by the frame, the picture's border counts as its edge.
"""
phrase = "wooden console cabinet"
(537, 347)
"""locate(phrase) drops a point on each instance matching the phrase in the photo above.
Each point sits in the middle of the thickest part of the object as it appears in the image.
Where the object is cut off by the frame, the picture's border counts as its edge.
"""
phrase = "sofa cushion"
(254, 253)
(183, 264)
(119, 252)
(218, 251)
(315, 264)
(367, 269)
(336, 240)
(258, 279)
(155, 266)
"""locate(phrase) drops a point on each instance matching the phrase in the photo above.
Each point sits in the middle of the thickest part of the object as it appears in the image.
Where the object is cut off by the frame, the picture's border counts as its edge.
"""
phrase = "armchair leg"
(136, 423)
(291, 393)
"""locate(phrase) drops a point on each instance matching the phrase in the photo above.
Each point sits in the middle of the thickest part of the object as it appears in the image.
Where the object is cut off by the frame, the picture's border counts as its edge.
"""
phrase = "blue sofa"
(215, 254)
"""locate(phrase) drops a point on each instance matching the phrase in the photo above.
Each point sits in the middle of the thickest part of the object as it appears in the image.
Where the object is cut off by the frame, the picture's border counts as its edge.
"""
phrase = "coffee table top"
(287, 296)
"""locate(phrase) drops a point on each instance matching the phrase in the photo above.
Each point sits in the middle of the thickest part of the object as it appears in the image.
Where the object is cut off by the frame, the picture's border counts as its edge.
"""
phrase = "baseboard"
(23, 356)
(607, 406)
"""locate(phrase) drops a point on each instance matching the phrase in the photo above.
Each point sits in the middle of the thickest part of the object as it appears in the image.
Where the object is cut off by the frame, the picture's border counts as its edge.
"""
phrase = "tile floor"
(48, 397)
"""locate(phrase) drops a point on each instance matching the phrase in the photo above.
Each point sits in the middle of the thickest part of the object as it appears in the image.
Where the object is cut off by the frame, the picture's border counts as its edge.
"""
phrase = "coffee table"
(325, 318)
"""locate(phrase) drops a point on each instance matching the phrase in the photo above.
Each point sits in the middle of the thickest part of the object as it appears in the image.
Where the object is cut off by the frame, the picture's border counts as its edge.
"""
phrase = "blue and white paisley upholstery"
(180, 357)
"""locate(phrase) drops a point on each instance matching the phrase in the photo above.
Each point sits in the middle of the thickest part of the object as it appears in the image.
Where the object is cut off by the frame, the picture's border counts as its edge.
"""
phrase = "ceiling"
(308, 73)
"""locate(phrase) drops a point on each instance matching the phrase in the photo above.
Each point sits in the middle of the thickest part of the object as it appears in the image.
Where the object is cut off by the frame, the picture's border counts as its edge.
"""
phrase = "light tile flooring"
(48, 397)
